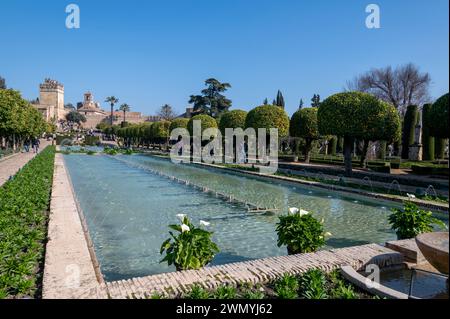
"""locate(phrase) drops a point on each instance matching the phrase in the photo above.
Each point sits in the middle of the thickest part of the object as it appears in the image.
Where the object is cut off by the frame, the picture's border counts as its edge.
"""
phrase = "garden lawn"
(24, 206)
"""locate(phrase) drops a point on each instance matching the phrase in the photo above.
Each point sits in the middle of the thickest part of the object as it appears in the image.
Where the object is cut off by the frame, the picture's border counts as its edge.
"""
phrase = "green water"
(128, 209)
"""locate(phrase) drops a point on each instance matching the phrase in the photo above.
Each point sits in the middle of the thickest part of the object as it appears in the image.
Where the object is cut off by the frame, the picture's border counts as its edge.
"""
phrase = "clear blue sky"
(148, 53)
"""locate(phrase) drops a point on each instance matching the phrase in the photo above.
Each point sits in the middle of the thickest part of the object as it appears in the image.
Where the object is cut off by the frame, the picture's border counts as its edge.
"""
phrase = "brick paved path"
(10, 165)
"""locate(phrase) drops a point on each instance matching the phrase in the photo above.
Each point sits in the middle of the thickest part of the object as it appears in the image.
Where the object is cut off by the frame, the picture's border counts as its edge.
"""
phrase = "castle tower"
(51, 95)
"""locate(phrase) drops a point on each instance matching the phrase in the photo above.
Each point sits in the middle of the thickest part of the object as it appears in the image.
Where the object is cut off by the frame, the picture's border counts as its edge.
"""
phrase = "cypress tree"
(300, 105)
(382, 150)
(332, 146)
(315, 101)
(340, 144)
(440, 147)
(280, 99)
(409, 126)
(266, 102)
(427, 139)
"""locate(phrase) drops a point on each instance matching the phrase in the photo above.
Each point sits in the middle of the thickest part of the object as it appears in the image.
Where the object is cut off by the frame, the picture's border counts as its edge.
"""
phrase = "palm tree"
(124, 108)
(112, 100)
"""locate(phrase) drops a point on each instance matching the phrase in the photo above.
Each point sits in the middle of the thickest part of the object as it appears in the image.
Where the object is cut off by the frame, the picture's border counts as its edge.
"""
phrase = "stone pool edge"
(443, 208)
(71, 270)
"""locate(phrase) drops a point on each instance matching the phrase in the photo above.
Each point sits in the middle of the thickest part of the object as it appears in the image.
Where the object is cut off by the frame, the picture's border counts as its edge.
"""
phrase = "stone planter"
(434, 247)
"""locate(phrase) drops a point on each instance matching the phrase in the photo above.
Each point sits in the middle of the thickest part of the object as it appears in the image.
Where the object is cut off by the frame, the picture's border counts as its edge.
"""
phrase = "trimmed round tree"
(357, 115)
(178, 123)
(438, 116)
(160, 131)
(304, 124)
(268, 116)
(232, 119)
(206, 122)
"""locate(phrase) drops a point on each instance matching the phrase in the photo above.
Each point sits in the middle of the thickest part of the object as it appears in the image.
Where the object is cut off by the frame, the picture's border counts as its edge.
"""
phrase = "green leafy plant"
(24, 203)
(191, 248)
(300, 232)
(110, 151)
(287, 287)
(253, 294)
(198, 292)
(225, 292)
(339, 288)
(313, 284)
(412, 221)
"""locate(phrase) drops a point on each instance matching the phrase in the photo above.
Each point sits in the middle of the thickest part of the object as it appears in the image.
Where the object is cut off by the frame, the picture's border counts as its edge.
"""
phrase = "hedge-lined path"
(11, 165)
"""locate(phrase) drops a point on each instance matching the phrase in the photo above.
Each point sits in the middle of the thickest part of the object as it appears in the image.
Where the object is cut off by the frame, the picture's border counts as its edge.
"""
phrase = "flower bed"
(24, 203)
(313, 284)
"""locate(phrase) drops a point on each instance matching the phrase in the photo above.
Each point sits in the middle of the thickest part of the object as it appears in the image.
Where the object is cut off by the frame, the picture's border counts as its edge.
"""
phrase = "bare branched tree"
(166, 112)
(402, 86)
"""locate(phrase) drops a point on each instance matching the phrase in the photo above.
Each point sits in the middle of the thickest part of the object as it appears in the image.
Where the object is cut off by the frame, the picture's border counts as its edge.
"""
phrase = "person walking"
(26, 145)
(36, 143)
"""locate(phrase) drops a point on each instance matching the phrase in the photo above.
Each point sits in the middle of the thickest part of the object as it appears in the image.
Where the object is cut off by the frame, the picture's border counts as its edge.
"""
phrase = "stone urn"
(434, 247)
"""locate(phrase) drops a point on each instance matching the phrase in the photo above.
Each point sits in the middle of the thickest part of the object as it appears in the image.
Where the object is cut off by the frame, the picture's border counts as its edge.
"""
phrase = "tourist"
(26, 145)
(36, 143)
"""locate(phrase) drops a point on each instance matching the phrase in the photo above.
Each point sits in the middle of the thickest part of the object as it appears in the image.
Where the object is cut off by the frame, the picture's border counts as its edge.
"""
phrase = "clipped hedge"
(430, 170)
(91, 140)
(24, 204)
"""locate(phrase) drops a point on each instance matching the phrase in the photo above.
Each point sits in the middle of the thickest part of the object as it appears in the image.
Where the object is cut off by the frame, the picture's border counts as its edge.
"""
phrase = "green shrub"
(268, 116)
(380, 168)
(178, 123)
(91, 140)
(412, 221)
(232, 119)
(286, 287)
(304, 124)
(438, 116)
(313, 284)
(409, 128)
(24, 202)
(192, 248)
(430, 170)
(206, 122)
(300, 232)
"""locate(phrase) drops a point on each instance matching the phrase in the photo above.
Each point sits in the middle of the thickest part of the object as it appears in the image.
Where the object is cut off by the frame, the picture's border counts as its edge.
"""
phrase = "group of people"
(34, 143)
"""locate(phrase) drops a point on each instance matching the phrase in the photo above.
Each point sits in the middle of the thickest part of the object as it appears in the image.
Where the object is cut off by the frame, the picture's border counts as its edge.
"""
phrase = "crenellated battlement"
(50, 84)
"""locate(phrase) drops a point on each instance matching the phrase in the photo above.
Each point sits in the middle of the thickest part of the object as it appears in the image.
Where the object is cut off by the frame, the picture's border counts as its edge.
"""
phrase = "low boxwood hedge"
(430, 170)
(24, 203)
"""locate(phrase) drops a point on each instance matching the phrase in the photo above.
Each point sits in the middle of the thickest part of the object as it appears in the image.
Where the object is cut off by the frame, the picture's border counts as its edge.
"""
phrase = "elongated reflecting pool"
(128, 209)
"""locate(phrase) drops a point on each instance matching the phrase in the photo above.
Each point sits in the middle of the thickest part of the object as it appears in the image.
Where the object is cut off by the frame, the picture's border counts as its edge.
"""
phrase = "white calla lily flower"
(303, 212)
(181, 216)
(204, 223)
(410, 195)
(185, 228)
(322, 221)
(328, 234)
(293, 210)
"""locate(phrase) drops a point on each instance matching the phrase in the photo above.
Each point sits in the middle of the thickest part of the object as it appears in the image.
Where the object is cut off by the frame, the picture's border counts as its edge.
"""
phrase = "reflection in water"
(128, 210)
